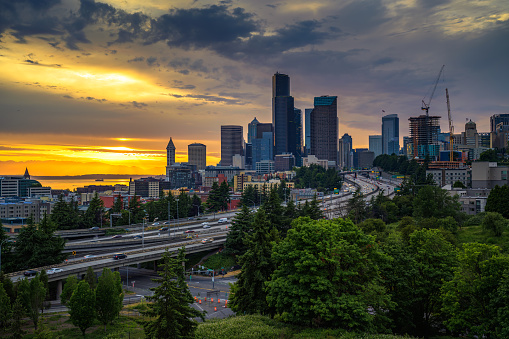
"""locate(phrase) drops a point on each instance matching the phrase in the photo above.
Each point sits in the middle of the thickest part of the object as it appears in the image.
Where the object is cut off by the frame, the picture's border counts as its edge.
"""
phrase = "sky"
(100, 86)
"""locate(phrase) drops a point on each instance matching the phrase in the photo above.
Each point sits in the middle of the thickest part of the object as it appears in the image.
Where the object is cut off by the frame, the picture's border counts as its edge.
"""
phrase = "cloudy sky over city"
(100, 86)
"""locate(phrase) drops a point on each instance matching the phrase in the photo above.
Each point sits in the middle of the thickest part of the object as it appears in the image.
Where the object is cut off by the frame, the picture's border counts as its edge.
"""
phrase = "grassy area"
(113, 231)
(257, 326)
(194, 258)
(219, 260)
(59, 326)
(476, 234)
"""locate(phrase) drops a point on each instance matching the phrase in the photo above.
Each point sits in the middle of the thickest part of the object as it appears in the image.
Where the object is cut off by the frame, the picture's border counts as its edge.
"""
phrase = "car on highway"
(89, 256)
(116, 236)
(166, 223)
(118, 256)
(95, 228)
(189, 231)
(137, 237)
(29, 273)
(206, 225)
(163, 229)
(189, 236)
(54, 270)
(156, 224)
(206, 240)
(190, 218)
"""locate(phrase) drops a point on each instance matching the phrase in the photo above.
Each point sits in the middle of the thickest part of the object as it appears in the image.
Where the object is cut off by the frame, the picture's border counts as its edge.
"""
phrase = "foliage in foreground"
(257, 326)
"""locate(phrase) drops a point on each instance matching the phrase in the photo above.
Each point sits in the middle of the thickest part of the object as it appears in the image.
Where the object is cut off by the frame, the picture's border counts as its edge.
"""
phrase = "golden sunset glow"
(100, 86)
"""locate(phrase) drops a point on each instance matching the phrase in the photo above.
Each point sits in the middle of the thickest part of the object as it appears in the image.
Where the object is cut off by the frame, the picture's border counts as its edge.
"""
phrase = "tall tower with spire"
(170, 153)
(26, 175)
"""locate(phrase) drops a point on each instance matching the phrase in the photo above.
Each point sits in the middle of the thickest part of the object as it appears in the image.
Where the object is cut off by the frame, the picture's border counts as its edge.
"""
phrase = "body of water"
(73, 183)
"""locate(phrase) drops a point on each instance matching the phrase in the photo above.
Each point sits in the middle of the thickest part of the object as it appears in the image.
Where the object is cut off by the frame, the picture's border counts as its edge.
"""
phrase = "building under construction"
(424, 135)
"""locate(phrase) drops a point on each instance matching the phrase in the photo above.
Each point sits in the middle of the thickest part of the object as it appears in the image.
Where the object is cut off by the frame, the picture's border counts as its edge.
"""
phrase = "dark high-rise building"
(263, 143)
(324, 128)
(231, 143)
(298, 136)
(307, 113)
(197, 155)
(251, 130)
(390, 134)
(345, 160)
(496, 119)
(424, 134)
(283, 115)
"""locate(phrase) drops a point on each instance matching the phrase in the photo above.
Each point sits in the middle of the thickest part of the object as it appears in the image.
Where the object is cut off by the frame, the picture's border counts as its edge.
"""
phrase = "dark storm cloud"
(137, 59)
(68, 97)
(210, 98)
(139, 105)
(202, 27)
(180, 85)
(23, 13)
(361, 16)
(186, 64)
(151, 61)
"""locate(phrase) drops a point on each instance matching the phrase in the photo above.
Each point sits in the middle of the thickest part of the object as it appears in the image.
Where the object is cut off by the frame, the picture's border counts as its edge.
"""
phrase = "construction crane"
(425, 106)
(451, 127)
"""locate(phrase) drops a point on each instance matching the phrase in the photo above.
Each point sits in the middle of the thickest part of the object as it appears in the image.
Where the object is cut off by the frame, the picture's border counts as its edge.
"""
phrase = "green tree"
(8, 287)
(249, 196)
(214, 200)
(495, 223)
(108, 297)
(60, 214)
(95, 212)
(18, 313)
(458, 184)
(248, 293)
(172, 315)
(356, 207)
(432, 201)
(33, 294)
(196, 206)
(275, 212)
(82, 307)
(70, 285)
(224, 193)
(38, 247)
(240, 228)
(43, 276)
(184, 204)
(435, 259)
(489, 155)
(469, 299)
(91, 278)
(6, 248)
(327, 275)
(137, 211)
(497, 200)
(5, 307)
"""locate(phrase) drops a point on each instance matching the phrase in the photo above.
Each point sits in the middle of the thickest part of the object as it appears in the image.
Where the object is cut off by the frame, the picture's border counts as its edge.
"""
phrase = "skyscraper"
(424, 134)
(231, 143)
(375, 144)
(263, 143)
(496, 119)
(324, 128)
(390, 134)
(251, 130)
(307, 113)
(346, 149)
(170, 153)
(197, 155)
(283, 115)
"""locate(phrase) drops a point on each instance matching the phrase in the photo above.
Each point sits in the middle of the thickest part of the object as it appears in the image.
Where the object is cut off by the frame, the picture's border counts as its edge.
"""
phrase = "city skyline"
(100, 87)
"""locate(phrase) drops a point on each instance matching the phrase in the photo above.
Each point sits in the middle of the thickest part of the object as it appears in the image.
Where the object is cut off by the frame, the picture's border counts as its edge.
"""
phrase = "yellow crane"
(451, 127)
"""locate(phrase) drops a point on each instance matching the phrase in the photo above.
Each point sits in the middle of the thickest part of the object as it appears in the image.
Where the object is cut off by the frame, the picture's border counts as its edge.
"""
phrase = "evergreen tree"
(184, 204)
(82, 307)
(275, 212)
(249, 196)
(151, 210)
(95, 212)
(214, 203)
(137, 211)
(248, 294)
(315, 211)
(108, 297)
(240, 228)
(90, 277)
(33, 294)
(8, 287)
(60, 214)
(224, 193)
(196, 206)
(70, 285)
(172, 315)
(497, 200)
(18, 313)
(6, 248)
(5, 307)
(118, 206)
(43, 276)
(356, 208)
(38, 247)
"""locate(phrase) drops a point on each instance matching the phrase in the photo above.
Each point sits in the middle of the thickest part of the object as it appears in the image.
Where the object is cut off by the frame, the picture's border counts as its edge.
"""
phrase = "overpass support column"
(59, 289)
(155, 265)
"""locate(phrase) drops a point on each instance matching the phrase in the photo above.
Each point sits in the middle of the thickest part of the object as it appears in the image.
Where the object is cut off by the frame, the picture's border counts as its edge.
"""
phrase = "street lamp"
(178, 221)
(143, 233)
(169, 216)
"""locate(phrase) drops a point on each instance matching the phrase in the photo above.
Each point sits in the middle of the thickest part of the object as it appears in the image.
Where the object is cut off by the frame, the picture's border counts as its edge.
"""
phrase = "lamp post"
(143, 233)
(178, 221)
(169, 216)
